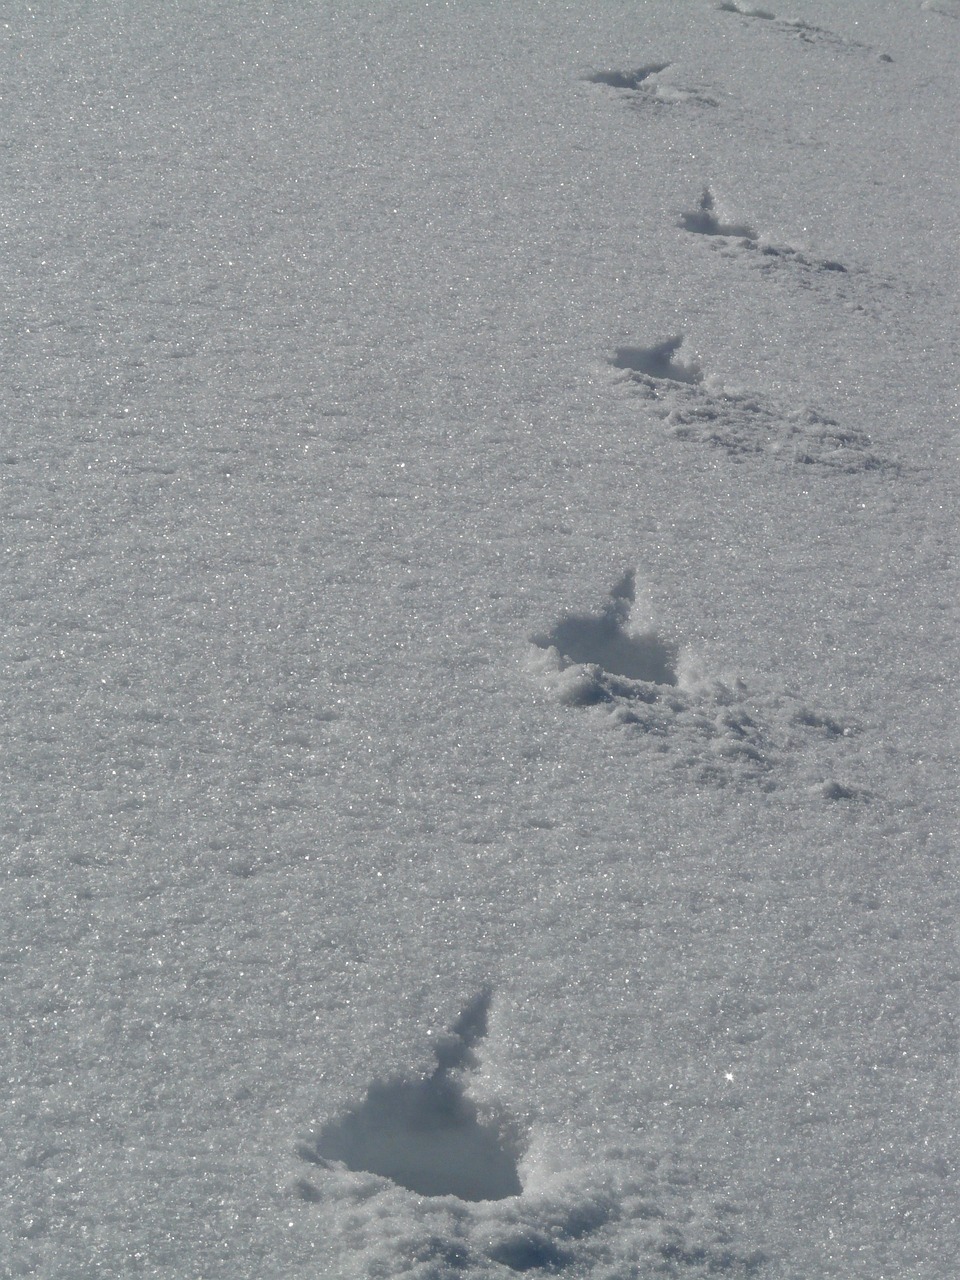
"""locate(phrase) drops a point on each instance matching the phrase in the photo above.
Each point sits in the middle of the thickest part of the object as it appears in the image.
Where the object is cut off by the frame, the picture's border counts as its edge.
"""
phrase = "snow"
(480, 640)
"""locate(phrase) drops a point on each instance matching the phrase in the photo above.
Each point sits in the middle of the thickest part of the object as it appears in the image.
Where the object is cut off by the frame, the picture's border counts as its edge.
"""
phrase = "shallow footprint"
(627, 79)
(721, 731)
(703, 221)
(701, 411)
(642, 87)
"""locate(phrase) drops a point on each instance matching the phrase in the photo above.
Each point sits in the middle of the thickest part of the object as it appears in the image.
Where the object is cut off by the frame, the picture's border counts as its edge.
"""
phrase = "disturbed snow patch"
(796, 28)
(723, 731)
(644, 1214)
(700, 410)
(733, 238)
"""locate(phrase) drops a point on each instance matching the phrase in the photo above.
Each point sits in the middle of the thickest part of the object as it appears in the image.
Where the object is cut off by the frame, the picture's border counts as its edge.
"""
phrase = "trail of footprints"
(724, 732)
(806, 32)
(426, 1134)
(654, 84)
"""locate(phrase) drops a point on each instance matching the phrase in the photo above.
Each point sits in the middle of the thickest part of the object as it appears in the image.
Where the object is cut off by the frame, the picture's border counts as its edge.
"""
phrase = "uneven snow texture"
(480, 640)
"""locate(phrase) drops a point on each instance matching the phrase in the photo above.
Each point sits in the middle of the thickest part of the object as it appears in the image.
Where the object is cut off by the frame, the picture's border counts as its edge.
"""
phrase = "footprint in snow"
(703, 221)
(725, 733)
(426, 1134)
(466, 1206)
(645, 86)
(830, 280)
(696, 410)
(737, 240)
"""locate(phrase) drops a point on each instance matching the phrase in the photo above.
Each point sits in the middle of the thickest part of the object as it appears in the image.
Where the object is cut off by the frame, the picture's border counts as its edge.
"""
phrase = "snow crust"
(480, 640)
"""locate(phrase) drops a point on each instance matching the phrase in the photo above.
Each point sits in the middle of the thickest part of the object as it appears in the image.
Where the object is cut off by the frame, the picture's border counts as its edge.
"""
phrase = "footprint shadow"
(604, 641)
(703, 221)
(427, 1135)
(657, 362)
(627, 79)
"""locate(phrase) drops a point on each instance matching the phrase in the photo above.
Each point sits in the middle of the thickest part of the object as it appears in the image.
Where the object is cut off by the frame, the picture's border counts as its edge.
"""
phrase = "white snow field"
(480, 613)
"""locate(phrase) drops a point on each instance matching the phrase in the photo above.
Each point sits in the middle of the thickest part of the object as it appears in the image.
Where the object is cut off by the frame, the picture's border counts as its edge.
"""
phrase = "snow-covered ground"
(480, 611)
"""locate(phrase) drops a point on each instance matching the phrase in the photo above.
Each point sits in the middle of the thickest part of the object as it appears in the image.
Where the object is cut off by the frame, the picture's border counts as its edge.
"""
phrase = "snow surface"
(480, 639)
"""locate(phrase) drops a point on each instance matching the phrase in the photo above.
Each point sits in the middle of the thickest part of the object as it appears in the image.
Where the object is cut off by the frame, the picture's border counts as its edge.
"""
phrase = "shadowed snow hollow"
(427, 1135)
(604, 641)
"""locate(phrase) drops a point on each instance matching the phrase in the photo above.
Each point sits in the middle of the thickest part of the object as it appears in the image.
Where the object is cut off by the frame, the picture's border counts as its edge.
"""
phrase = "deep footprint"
(603, 641)
(427, 1135)
(657, 362)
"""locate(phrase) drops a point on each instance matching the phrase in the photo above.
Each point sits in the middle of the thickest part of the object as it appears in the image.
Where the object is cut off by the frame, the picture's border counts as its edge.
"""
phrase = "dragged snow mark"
(627, 79)
(744, 426)
(724, 732)
(427, 1135)
(827, 725)
(777, 254)
(700, 1261)
(807, 32)
(530, 1250)
(728, 7)
(834, 790)
(628, 1213)
(700, 411)
(947, 8)
(657, 362)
